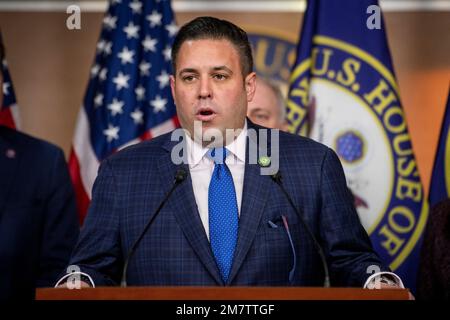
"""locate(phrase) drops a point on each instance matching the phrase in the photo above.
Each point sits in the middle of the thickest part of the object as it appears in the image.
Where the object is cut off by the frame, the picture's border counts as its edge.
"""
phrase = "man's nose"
(205, 90)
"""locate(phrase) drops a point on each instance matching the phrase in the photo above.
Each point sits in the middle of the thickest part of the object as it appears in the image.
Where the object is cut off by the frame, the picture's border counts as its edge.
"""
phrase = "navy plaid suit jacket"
(175, 250)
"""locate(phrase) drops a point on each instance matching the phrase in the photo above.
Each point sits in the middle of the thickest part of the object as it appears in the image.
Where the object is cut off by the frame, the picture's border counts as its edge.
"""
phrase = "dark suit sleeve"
(60, 225)
(98, 251)
(433, 281)
(427, 281)
(346, 243)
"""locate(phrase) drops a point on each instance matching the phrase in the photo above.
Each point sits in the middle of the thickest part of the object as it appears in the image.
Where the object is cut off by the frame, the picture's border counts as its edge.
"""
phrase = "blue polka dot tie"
(223, 212)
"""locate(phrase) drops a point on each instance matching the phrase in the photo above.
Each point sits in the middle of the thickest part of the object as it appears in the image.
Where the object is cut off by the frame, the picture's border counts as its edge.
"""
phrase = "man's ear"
(250, 85)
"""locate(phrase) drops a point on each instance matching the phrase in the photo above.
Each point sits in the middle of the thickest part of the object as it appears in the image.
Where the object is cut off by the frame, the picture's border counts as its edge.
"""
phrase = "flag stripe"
(6, 118)
(88, 162)
(82, 197)
(9, 111)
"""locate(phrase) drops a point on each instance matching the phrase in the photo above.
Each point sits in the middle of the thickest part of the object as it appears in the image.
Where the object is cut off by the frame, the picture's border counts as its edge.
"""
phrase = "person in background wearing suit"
(267, 107)
(223, 222)
(38, 221)
(433, 281)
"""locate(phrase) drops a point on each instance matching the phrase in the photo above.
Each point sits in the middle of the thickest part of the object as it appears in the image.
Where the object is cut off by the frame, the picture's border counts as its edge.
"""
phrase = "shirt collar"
(196, 152)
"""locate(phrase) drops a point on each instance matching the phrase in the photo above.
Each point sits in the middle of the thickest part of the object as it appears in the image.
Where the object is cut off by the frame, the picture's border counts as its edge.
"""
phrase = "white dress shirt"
(201, 168)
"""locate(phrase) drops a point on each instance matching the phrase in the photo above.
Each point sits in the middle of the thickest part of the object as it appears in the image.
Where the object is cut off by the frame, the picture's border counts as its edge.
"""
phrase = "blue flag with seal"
(440, 179)
(343, 93)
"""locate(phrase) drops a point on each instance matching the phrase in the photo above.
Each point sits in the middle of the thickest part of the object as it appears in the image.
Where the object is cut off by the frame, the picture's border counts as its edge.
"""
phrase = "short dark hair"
(216, 29)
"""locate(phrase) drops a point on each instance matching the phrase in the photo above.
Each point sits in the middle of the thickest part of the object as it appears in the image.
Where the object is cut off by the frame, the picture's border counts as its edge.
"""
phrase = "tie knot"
(218, 155)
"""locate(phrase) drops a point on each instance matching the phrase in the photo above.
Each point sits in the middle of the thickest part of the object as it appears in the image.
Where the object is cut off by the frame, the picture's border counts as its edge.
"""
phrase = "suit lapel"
(254, 198)
(9, 161)
(186, 212)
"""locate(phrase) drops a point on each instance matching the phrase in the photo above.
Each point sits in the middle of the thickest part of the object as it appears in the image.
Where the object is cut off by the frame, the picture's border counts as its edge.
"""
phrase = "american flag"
(9, 112)
(128, 98)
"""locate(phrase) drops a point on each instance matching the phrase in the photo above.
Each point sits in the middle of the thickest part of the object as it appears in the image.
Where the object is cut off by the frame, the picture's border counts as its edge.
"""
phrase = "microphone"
(180, 176)
(277, 179)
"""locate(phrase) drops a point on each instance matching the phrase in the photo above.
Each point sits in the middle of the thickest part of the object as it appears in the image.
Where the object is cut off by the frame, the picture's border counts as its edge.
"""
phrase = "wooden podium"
(220, 293)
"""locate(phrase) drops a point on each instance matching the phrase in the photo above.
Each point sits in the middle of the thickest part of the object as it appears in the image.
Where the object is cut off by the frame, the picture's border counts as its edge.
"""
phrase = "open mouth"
(205, 114)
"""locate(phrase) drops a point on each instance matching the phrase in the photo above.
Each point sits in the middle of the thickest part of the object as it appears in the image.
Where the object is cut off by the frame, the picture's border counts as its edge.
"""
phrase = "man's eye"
(220, 76)
(188, 78)
(262, 116)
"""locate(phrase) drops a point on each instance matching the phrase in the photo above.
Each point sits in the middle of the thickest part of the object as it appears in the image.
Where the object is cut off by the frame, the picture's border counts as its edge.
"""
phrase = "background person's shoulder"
(29, 145)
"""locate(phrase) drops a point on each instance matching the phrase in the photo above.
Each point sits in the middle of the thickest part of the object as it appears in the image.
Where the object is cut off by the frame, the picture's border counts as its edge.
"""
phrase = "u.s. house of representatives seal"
(347, 99)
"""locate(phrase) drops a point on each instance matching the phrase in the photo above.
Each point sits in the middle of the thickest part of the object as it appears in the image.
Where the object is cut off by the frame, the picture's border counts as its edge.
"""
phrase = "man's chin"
(213, 136)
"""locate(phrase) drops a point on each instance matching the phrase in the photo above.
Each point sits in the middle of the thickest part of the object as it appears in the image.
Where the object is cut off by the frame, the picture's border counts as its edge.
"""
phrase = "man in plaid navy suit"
(211, 85)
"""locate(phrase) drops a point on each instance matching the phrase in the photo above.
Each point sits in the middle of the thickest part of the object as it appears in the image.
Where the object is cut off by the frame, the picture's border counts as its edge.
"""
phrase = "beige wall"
(50, 68)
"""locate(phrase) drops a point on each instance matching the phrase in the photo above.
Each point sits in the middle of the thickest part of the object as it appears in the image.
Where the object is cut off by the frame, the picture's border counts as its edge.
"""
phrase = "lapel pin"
(264, 161)
(10, 153)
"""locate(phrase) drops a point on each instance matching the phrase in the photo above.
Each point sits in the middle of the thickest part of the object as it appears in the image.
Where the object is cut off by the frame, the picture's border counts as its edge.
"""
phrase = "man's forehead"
(223, 46)
(192, 55)
(206, 41)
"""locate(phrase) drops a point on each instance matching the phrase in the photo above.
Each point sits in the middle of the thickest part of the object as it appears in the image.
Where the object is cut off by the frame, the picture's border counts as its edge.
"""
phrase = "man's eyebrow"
(258, 109)
(225, 68)
(187, 70)
(193, 70)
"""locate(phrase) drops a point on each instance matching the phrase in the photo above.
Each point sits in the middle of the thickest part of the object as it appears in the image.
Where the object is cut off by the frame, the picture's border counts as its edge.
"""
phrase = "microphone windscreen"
(180, 175)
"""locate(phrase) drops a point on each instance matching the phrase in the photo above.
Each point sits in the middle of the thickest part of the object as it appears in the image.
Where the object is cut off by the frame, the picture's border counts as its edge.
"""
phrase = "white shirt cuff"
(92, 284)
(373, 278)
